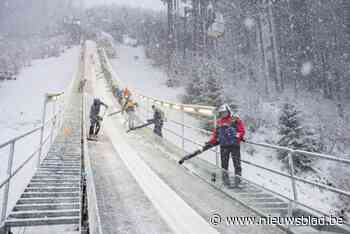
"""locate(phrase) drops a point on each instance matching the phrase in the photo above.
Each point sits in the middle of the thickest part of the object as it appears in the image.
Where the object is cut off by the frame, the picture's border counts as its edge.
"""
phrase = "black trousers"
(234, 152)
(158, 125)
(94, 127)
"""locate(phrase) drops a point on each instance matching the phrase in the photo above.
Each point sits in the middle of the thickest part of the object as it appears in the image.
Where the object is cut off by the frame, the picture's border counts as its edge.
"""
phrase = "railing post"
(217, 160)
(42, 130)
(147, 108)
(294, 189)
(53, 121)
(183, 130)
(62, 106)
(7, 186)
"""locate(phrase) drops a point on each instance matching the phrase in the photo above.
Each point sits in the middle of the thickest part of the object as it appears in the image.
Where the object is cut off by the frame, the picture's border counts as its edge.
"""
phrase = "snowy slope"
(21, 100)
(141, 75)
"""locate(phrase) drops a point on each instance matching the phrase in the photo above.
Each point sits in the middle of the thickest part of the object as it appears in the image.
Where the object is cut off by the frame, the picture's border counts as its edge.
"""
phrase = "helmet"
(224, 108)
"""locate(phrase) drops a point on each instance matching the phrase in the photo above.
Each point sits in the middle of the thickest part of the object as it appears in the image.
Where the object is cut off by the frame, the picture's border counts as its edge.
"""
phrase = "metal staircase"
(53, 196)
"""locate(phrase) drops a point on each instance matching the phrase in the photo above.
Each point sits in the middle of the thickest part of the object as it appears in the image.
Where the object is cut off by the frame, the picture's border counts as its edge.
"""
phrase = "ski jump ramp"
(140, 190)
(131, 182)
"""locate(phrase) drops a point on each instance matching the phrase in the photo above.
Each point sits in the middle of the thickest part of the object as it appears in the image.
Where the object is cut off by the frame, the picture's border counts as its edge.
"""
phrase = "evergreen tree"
(193, 89)
(213, 88)
(296, 136)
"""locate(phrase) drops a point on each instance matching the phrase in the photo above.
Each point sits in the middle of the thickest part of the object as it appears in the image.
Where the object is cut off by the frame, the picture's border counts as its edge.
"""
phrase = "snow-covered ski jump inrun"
(131, 182)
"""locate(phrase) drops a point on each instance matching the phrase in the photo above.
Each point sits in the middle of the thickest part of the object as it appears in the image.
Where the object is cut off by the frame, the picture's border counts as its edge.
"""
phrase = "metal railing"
(55, 123)
(294, 199)
(208, 112)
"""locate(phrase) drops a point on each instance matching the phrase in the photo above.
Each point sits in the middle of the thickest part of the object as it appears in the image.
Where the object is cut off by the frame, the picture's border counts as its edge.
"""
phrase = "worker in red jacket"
(229, 133)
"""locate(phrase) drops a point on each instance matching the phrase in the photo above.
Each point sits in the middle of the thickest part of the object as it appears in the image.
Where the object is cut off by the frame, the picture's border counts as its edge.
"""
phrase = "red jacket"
(227, 121)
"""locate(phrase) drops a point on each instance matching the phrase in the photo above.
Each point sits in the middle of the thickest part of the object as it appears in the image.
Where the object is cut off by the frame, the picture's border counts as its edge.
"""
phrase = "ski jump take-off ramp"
(131, 182)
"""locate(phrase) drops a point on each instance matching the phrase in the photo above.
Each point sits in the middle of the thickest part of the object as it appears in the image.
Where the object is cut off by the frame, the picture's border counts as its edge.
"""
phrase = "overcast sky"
(153, 4)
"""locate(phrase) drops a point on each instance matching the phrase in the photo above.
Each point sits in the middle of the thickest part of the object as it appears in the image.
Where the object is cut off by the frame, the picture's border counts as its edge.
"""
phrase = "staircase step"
(42, 221)
(62, 141)
(53, 160)
(272, 205)
(57, 173)
(56, 167)
(258, 195)
(62, 157)
(262, 199)
(67, 152)
(52, 189)
(55, 178)
(47, 207)
(274, 210)
(47, 200)
(57, 194)
(54, 185)
(43, 214)
(60, 164)
(43, 170)
(246, 190)
(77, 164)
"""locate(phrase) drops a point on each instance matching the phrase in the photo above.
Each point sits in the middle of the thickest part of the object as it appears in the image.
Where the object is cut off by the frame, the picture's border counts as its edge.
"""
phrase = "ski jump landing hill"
(132, 183)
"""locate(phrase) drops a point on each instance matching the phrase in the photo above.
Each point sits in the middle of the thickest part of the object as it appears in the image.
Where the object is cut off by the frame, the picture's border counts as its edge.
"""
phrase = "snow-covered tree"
(213, 89)
(193, 88)
(296, 136)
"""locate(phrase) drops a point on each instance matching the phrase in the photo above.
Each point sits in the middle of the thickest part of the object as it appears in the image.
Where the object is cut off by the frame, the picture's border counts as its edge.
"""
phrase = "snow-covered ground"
(136, 72)
(21, 101)
(141, 75)
(21, 105)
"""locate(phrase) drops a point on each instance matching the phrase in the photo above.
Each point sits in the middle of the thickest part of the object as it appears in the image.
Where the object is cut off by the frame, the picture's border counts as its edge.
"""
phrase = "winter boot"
(237, 183)
(226, 179)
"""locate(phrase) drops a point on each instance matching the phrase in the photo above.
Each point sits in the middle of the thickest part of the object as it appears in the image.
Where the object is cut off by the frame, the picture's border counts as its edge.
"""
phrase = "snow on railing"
(208, 111)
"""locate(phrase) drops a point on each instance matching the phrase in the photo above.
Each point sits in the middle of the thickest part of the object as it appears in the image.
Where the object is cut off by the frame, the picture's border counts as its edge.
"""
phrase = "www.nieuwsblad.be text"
(217, 219)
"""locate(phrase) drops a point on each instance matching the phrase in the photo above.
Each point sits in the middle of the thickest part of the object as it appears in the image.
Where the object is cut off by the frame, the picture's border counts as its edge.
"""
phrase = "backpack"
(227, 135)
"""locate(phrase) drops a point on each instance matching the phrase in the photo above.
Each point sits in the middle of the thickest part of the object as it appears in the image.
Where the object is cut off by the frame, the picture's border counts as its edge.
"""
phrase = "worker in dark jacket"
(229, 133)
(158, 119)
(95, 119)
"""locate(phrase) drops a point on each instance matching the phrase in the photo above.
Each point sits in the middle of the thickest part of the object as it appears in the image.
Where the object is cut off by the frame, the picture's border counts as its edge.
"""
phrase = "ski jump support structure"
(53, 195)
(262, 200)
